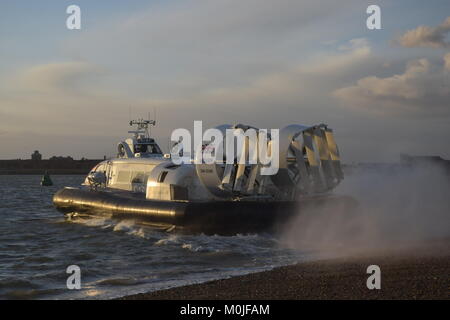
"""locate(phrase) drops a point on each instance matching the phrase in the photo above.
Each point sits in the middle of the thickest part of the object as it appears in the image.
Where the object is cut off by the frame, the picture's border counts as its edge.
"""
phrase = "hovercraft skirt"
(217, 217)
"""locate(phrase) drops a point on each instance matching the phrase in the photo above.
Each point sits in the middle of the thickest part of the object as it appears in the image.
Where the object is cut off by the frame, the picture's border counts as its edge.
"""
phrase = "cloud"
(425, 36)
(447, 61)
(302, 88)
(423, 89)
(299, 92)
(337, 63)
(60, 76)
(183, 47)
(267, 63)
(57, 97)
(301, 78)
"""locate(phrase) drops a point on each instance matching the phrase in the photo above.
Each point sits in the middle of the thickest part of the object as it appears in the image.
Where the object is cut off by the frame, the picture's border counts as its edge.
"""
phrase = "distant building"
(61, 158)
(36, 156)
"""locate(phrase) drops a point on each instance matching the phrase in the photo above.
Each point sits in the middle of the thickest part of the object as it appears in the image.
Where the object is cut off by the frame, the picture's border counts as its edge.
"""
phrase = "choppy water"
(116, 258)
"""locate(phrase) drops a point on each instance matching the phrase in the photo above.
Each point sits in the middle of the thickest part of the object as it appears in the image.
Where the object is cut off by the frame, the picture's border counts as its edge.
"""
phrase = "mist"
(396, 207)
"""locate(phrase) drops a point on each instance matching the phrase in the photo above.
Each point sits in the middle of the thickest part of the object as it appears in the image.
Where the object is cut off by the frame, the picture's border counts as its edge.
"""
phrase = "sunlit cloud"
(60, 77)
(425, 36)
(423, 89)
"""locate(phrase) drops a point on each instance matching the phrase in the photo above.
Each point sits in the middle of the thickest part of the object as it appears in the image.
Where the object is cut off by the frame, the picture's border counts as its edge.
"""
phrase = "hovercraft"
(144, 184)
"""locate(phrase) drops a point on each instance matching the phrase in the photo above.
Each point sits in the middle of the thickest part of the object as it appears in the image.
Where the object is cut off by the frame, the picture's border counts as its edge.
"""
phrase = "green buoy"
(46, 180)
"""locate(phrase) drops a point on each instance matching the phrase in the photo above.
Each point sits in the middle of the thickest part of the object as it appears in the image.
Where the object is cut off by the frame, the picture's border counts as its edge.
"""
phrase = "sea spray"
(397, 206)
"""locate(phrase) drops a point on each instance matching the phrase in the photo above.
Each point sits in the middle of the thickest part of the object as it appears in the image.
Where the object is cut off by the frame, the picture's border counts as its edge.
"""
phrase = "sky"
(266, 63)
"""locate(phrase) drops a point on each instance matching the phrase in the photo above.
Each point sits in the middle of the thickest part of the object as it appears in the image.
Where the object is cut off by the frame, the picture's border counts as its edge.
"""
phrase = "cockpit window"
(144, 148)
(156, 149)
(101, 167)
(140, 148)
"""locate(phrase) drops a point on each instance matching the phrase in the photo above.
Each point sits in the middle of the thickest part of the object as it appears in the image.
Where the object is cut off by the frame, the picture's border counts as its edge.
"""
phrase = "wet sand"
(419, 273)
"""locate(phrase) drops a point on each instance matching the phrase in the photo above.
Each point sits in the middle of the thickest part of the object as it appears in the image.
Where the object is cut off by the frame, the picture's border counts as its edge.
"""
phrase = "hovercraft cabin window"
(138, 177)
(162, 176)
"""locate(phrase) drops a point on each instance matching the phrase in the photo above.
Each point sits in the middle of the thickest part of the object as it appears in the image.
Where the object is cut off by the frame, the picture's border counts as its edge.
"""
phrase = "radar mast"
(142, 128)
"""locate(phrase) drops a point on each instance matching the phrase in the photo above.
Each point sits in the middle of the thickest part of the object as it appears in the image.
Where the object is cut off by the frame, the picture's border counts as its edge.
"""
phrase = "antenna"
(149, 120)
(143, 126)
(168, 145)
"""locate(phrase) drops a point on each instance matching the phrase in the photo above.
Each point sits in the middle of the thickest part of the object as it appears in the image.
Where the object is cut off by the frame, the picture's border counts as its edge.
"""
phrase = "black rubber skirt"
(221, 217)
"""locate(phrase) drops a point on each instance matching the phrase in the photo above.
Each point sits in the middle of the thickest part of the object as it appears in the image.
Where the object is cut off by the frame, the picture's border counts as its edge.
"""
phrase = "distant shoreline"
(54, 166)
(419, 273)
(42, 171)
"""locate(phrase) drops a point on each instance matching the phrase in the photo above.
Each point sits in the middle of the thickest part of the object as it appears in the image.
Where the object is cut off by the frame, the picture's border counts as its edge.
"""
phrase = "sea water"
(116, 257)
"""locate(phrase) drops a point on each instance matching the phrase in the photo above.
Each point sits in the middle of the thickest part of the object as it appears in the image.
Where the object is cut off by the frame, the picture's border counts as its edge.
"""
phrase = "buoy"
(46, 180)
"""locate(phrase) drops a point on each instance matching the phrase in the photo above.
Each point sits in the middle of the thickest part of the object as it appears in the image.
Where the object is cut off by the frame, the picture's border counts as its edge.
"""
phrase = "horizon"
(105, 157)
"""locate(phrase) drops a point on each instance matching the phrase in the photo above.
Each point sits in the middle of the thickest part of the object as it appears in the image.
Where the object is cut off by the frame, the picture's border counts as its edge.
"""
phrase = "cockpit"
(152, 148)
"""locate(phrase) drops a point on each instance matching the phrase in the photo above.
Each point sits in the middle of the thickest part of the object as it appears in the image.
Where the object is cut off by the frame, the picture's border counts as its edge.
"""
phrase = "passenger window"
(139, 177)
(162, 176)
